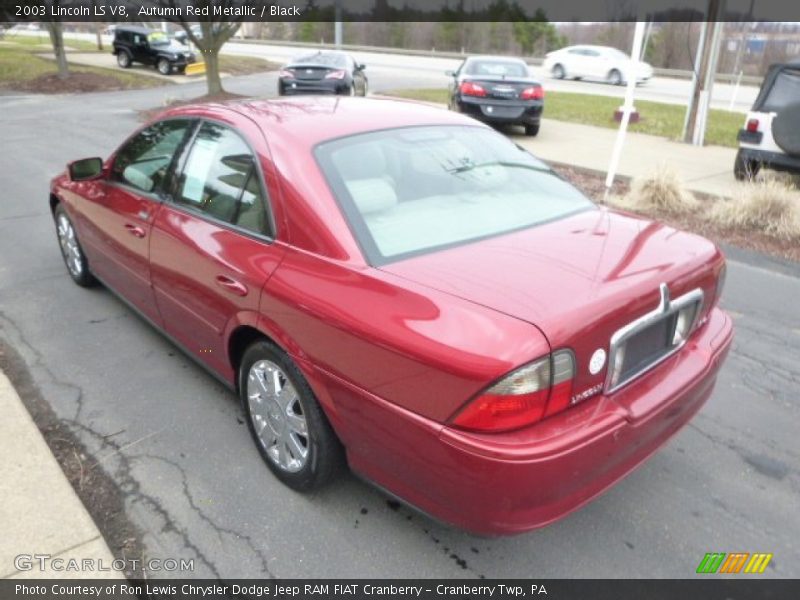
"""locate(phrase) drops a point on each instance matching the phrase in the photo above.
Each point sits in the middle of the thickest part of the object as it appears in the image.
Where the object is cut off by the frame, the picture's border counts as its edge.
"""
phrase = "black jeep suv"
(150, 47)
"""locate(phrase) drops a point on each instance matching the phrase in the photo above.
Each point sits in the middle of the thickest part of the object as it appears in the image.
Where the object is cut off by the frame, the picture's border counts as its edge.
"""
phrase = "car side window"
(144, 161)
(220, 178)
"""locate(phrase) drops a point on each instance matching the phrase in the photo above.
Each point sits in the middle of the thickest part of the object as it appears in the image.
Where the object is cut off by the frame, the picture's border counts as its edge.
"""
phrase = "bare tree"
(213, 33)
(56, 31)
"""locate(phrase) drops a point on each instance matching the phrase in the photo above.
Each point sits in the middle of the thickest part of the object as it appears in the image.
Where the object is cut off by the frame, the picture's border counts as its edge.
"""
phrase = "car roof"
(495, 58)
(305, 121)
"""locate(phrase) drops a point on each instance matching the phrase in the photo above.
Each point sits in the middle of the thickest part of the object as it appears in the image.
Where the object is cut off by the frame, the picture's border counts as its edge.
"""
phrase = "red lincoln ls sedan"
(405, 290)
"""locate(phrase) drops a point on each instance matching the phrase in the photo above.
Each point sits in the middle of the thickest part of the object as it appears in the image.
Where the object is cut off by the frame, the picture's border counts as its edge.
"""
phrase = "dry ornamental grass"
(771, 206)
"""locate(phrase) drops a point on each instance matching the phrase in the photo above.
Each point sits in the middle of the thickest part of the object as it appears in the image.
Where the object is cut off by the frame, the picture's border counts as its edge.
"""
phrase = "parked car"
(596, 62)
(183, 37)
(497, 90)
(404, 289)
(771, 134)
(149, 47)
(323, 72)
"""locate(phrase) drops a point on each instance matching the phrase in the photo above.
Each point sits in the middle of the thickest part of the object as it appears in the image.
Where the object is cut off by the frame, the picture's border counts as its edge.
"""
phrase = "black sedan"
(323, 72)
(497, 90)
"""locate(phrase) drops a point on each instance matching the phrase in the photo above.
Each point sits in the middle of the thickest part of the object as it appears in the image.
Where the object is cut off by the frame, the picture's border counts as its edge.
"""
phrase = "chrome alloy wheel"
(69, 246)
(277, 416)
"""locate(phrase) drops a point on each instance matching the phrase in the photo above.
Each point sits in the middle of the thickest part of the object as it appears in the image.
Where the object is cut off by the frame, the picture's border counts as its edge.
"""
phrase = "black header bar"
(132, 11)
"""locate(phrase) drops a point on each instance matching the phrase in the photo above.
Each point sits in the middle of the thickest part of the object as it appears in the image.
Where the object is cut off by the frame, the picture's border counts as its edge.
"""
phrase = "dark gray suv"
(150, 47)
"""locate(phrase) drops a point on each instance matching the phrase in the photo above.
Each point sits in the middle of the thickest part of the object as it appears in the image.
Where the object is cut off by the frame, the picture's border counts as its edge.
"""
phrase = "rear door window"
(220, 179)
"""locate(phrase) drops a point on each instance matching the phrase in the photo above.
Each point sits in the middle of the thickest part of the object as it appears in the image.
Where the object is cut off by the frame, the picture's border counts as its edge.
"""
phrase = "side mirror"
(85, 169)
(362, 67)
(450, 73)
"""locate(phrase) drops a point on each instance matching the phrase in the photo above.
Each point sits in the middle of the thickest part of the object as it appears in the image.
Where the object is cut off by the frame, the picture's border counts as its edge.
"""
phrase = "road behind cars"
(196, 486)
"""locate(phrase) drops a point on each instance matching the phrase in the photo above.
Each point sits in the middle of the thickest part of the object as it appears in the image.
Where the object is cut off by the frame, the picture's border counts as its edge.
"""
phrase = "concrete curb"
(41, 513)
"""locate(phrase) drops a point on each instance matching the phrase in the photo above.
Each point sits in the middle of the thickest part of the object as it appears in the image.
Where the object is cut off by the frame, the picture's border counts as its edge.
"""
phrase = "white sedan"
(596, 62)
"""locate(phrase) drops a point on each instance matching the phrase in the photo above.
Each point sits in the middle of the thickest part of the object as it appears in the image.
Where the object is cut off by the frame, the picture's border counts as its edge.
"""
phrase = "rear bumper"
(322, 86)
(518, 481)
(501, 111)
(772, 160)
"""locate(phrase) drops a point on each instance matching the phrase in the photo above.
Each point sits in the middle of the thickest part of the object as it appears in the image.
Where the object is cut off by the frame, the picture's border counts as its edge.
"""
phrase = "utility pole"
(337, 26)
(708, 46)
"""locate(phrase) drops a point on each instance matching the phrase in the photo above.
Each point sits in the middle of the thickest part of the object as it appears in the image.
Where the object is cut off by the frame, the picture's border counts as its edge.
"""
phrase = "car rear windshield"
(785, 91)
(496, 68)
(324, 59)
(414, 190)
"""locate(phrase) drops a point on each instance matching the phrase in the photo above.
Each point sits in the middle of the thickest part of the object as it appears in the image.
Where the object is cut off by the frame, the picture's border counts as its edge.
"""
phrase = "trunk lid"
(311, 72)
(579, 279)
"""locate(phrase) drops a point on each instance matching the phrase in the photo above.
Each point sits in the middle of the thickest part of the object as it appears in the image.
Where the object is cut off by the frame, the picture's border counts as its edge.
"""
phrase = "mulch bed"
(75, 83)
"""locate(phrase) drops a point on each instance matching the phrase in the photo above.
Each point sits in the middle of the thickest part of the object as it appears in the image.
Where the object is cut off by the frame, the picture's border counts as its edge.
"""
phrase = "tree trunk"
(213, 81)
(98, 30)
(57, 39)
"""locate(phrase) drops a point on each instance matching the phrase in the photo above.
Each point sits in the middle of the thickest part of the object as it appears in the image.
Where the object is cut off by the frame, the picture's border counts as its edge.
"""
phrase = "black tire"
(745, 169)
(163, 66)
(124, 59)
(71, 251)
(559, 72)
(532, 130)
(614, 77)
(325, 455)
(365, 89)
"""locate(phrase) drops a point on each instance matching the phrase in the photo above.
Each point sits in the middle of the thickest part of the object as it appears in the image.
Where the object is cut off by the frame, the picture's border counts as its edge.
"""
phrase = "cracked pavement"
(175, 443)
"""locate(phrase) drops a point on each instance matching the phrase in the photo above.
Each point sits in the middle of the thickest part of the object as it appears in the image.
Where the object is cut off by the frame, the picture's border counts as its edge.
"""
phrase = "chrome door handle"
(231, 285)
(135, 230)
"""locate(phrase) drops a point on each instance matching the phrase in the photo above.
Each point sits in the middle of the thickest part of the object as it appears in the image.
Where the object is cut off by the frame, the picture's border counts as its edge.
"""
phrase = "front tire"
(163, 66)
(71, 251)
(559, 72)
(614, 77)
(290, 430)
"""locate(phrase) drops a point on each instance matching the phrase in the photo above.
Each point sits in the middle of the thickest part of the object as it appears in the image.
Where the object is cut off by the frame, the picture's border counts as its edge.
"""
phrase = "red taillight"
(471, 89)
(752, 125)
(336, 74)
(285, 73)
(532, 93)
(525, 396)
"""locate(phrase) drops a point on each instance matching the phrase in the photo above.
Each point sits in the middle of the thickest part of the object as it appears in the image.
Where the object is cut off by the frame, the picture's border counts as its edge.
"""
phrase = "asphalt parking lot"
(175, 442)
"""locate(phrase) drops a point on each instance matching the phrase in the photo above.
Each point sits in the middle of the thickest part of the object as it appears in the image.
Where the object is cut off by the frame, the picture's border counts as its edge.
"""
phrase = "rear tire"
(558, 72)
(532, 130)
(123, 59)
(290, 429)
(745, 169)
